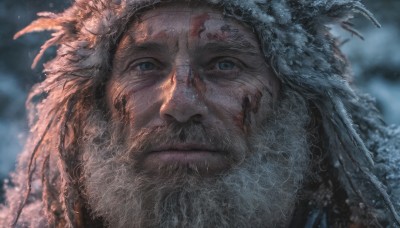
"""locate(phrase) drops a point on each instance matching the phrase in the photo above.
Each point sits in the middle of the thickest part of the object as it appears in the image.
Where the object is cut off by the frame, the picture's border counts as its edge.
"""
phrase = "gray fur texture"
(364, 153)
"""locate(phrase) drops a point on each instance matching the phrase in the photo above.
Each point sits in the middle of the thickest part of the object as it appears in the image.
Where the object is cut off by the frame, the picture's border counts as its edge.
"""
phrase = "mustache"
(140, 143)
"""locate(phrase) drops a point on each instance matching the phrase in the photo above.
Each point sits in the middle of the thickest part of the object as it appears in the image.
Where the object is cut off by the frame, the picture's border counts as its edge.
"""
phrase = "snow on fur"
(295, 40)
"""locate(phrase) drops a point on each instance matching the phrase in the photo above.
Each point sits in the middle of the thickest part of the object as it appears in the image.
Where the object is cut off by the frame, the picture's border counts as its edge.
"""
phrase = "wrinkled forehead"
(196, 16)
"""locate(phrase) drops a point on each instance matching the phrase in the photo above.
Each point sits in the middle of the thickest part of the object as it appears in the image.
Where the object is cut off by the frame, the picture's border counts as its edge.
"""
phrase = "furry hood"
(296, 41)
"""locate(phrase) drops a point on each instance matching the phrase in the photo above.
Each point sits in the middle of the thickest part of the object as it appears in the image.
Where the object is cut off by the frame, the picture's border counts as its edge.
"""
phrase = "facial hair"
(259, 190)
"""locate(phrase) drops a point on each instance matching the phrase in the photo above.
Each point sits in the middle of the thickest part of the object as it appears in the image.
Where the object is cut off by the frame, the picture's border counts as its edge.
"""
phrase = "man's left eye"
(226, 65)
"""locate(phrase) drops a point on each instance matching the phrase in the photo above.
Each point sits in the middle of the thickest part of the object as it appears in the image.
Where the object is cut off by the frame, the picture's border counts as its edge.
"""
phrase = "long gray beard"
(259, 191)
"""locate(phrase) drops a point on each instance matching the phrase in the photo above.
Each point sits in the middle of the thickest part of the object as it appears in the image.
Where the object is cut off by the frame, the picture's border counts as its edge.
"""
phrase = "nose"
(183, 100)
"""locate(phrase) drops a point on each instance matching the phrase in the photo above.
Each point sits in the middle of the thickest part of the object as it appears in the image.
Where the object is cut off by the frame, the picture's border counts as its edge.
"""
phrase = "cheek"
(237, 109)
(129, 105)
(118, 101)
(119, 104)
(247, 118)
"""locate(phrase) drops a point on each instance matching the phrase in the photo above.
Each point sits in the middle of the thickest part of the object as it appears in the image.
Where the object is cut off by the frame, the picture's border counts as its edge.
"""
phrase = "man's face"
(191, 66)
(197, 135)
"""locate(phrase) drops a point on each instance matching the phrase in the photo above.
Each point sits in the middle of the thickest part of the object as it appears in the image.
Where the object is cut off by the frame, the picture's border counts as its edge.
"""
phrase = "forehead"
(188, 18)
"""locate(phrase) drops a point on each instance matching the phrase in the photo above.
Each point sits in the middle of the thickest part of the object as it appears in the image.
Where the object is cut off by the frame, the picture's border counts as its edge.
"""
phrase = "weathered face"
(190, 67)
(197, 135)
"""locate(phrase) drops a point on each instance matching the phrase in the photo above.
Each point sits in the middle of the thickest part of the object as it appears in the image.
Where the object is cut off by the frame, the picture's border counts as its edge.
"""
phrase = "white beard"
(260, 191)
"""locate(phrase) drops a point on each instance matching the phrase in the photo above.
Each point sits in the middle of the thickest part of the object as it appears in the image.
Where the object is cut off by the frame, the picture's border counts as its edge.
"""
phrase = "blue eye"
(226, 65)
(146, 66)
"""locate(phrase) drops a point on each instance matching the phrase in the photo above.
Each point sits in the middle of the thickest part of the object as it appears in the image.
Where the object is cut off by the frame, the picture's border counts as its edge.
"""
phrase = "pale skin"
(186, 64)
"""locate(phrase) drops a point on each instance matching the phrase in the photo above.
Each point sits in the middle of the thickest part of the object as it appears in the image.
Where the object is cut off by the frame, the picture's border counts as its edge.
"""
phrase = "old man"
(218, 113)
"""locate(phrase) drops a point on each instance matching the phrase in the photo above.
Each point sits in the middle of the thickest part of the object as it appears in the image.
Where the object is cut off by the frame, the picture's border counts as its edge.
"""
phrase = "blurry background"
(375, 63)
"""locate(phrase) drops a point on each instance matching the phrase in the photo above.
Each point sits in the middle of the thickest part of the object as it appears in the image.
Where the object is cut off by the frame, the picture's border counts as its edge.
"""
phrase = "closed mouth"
(203, 158)
(185, 148)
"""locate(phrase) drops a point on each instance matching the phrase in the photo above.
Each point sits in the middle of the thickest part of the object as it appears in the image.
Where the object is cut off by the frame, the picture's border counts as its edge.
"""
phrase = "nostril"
(168, 117)
(197, 118)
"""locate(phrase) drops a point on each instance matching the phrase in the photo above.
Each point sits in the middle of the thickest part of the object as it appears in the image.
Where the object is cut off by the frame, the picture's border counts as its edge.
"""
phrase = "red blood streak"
(198, 24)
(250, 105)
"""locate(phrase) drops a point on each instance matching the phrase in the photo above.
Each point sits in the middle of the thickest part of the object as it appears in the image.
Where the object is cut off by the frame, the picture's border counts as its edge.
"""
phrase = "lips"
(184, 147)
(204, 159)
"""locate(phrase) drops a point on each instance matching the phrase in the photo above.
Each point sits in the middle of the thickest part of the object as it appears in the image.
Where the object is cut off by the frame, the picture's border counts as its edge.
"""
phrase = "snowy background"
(375, 63)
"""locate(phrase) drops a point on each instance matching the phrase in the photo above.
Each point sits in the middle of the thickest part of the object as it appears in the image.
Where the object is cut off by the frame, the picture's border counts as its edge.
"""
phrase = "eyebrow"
(235, 47)
(141, 47)
(148, 47)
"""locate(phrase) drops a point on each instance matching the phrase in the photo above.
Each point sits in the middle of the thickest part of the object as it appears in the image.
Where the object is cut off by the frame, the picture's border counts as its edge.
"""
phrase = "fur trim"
(295, 40)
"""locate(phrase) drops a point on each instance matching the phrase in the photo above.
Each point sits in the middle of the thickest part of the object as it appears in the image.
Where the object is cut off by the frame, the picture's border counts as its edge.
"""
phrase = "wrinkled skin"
(183, 65)
(141, 170)
(196, 135)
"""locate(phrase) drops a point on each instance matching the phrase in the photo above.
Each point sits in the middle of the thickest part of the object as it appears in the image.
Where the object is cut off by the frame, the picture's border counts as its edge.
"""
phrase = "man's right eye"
(146, 66)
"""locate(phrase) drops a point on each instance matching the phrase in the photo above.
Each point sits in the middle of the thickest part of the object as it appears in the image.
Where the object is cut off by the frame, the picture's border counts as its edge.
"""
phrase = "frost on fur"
(295, 41)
